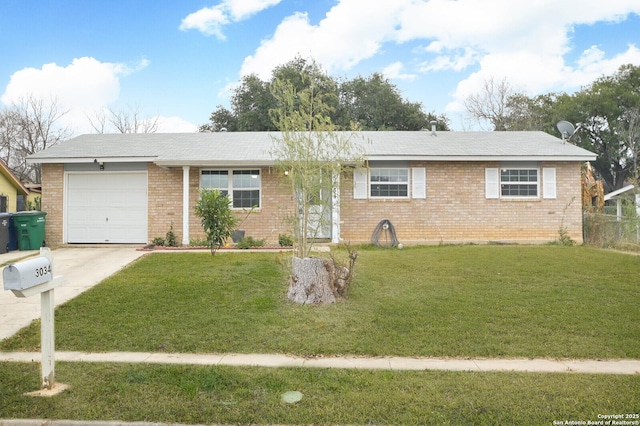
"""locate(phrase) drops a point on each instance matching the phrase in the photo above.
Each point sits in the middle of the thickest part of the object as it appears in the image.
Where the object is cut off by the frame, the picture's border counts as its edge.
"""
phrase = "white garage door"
(106, 207)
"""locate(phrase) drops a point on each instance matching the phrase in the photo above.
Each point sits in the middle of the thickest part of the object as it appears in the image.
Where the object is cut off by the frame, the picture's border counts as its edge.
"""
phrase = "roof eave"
(58, 160)
(214, 163)
(570, 158)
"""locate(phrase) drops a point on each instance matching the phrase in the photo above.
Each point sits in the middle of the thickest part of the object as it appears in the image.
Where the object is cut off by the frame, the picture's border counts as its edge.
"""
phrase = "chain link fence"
(611, 231)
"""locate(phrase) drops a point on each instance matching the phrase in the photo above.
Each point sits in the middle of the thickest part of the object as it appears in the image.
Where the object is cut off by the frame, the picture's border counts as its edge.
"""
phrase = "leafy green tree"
(608, 108)
(214, 210)
(373, 103)
(251, 102)
(302, 75)
(220, 120)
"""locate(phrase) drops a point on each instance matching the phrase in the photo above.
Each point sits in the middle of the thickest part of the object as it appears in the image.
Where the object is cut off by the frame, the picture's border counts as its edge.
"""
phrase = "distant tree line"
(606, 114)
(371, 103)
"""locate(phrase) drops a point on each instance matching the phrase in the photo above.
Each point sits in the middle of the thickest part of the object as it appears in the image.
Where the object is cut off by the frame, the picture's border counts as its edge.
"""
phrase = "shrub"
(217, 219)
(285, 240)
(170, 240)
(249, 242)
(197, 242)
(158, 241)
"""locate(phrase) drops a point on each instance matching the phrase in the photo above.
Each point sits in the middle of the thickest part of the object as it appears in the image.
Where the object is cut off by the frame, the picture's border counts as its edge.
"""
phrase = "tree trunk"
(312, 281)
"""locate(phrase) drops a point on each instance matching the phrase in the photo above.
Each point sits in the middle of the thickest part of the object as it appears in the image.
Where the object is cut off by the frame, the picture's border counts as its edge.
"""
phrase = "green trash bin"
(29, 229)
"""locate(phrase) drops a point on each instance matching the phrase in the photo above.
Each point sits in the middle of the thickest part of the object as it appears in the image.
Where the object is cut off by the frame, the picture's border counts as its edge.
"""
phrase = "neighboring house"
(445, 187)
(32, 200)
(10, 189)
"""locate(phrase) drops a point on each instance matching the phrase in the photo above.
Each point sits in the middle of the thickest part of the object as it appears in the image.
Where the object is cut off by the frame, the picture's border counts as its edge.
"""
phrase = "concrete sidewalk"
(628, 367)
(81, 267)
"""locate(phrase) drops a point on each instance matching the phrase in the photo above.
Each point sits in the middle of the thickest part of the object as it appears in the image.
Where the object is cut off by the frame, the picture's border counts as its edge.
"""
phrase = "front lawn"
(441, 301)
(249, 395)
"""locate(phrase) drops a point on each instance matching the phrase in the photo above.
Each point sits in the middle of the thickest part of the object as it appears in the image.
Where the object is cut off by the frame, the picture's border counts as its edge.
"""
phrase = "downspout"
(185, 205)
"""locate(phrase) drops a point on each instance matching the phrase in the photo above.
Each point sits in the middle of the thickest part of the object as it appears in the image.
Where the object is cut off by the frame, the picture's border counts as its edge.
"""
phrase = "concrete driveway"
(81, 267)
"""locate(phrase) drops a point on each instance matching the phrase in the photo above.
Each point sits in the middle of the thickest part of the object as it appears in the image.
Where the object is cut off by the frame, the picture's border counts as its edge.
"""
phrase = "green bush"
(158, 241)
(285, 240)
(171, 238)
(197, 242)
(218, 221)
(249, 242)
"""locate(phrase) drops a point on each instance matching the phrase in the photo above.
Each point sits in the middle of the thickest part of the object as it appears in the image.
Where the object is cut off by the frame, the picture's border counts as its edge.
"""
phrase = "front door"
(319, 223)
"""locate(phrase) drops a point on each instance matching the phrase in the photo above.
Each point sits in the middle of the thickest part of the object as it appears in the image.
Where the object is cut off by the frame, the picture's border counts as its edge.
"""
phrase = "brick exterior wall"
(52, 202)
(457, 211)
(164, 202)
(165, 205)
(454, 211)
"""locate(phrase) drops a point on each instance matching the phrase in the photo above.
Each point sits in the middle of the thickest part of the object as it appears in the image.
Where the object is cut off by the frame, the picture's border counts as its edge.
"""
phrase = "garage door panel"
(106, 208)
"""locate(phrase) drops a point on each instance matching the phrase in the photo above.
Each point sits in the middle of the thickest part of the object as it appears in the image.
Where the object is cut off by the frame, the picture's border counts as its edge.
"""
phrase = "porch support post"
(185, 205)
(335, 208)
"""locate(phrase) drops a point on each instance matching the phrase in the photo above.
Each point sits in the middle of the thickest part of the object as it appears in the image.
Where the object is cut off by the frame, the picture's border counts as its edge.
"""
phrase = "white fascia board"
(214, 163)
(479, 158)
(58, 160)
(617, 192)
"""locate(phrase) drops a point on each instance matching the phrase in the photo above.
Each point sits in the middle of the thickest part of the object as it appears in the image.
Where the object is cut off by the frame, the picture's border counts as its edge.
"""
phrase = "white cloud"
(83, 87)
(593, 64)
(351, 31)
(526, 42)
(454, 61)
(211, 20)
(394, 72)
(208, 20)
(242, 9)
(86, 82)
(175, 125)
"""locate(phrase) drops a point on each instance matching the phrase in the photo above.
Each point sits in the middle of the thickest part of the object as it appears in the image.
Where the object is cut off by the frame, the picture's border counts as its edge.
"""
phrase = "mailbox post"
(30, 277)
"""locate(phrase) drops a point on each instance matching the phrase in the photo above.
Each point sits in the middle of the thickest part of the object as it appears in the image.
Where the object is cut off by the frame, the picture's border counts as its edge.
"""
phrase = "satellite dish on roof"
(566, 130)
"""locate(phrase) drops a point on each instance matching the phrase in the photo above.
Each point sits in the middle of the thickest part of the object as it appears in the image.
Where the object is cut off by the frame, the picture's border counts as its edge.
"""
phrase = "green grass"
(234, 395)
(451, 301)
(445, 301)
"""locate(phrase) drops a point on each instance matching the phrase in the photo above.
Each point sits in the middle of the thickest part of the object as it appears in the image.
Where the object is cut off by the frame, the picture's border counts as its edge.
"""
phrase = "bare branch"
(490, 104)
(30, 125)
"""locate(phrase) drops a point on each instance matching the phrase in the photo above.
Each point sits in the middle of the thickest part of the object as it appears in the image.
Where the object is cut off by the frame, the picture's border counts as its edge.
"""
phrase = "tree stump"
(313, 281)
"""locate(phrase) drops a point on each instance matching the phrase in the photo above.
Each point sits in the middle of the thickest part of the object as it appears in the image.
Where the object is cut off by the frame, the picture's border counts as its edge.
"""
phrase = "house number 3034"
(41, 272)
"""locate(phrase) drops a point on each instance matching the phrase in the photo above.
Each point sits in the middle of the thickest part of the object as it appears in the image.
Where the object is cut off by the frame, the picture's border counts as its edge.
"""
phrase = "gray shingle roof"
(173, 149)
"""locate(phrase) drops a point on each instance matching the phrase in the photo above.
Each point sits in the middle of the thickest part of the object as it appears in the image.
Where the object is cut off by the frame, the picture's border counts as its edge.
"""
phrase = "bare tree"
(123, 121)
(9, 134)
(30, 125)
(632, 135)
(491, 104)
(98, 121)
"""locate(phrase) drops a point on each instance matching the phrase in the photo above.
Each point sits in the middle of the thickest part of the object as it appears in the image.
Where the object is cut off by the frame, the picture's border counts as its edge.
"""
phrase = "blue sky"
(180, 59)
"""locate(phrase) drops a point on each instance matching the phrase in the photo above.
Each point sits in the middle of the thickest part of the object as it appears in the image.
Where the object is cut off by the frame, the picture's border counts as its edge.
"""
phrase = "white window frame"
(532, 184)
(407, 183)
(230, 190)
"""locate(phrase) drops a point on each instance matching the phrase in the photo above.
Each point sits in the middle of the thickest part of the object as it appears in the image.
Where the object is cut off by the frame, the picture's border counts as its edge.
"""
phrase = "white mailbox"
(29, 276)
(35, 276)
